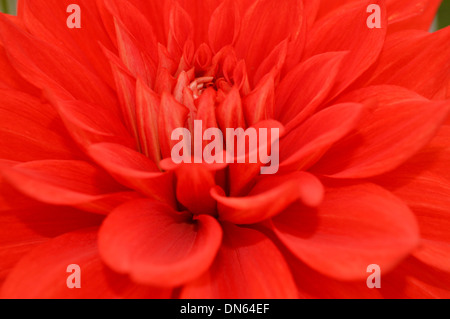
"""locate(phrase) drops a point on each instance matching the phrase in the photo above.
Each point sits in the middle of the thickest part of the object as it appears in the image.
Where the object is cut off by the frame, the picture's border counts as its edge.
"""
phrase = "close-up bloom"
(118, 162)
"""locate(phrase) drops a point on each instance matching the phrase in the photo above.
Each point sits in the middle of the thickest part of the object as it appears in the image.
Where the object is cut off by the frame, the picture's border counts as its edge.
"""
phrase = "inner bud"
(200, 84)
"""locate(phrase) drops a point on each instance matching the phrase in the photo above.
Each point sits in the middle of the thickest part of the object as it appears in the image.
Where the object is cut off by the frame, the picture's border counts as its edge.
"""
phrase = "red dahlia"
(86, 122)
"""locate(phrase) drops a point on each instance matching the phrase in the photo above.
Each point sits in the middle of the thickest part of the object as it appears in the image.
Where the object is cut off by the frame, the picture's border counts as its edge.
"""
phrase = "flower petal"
(434, 157)
(243, 170)
(194, 183)
(433, 213)
(11, 198)
(24, 229)
(304, 145)
(262, 29)
(229, 112)
(157, 14)
(399, 126)
(147, 110)
(31, 130)
(134, 56)
(200, 12)
(401, 14)
(314, 285)
(270, 196)
(354, 227)
(259, 104)
(347, 30)
(156, 245)
(401, 63)
(42, 273)
(427, 192)
(72, 183)
(248, 265)
(46, 19)
(411, 14)
(181, 30)
(89, 124)
(172, 115)
(134, 170)
(273, 63)
(224, 25)
(49, 67)
(10, 78)
(416, 280)
(304, 88)
(133, 31)
(126, 91)
(410, 280)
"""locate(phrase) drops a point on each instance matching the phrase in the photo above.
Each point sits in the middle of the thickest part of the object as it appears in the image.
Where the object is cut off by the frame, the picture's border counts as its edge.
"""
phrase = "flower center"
(201, 84)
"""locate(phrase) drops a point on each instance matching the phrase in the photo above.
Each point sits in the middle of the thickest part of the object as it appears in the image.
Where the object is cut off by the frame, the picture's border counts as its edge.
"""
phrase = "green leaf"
(8, 6)
(444, 14)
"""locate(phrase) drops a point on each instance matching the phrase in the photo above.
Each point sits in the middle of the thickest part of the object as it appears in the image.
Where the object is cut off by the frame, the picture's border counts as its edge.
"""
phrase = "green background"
(443, 19)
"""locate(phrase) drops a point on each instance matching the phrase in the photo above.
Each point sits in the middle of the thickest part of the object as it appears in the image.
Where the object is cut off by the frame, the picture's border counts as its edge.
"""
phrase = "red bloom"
(86, 117)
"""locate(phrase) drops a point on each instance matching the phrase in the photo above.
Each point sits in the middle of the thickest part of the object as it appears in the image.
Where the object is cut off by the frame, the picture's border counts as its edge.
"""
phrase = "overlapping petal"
(44, 19)
(45, 137)
(355, 226)
(343, 32)
(156, 245)
(26, 228)
(269, 197)
(402, 63)
(401, 123)
(47, 66)
(262, 30)
(362, 177)
(72, 183)
(34, 277)
(233, 275)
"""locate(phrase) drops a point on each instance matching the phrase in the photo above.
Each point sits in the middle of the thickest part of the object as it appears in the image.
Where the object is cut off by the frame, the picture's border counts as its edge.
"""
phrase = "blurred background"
(444, 15)
(442, 19)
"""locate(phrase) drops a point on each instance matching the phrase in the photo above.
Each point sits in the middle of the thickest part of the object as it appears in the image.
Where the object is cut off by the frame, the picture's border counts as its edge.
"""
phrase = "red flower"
(86, 117)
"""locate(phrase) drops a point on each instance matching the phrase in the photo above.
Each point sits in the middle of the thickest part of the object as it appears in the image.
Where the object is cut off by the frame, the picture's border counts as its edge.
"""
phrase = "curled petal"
(156, 245)
(269, 197)
(194, 183)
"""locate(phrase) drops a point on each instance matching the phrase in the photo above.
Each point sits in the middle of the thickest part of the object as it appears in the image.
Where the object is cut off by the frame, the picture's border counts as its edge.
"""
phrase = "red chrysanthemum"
(86, 117)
